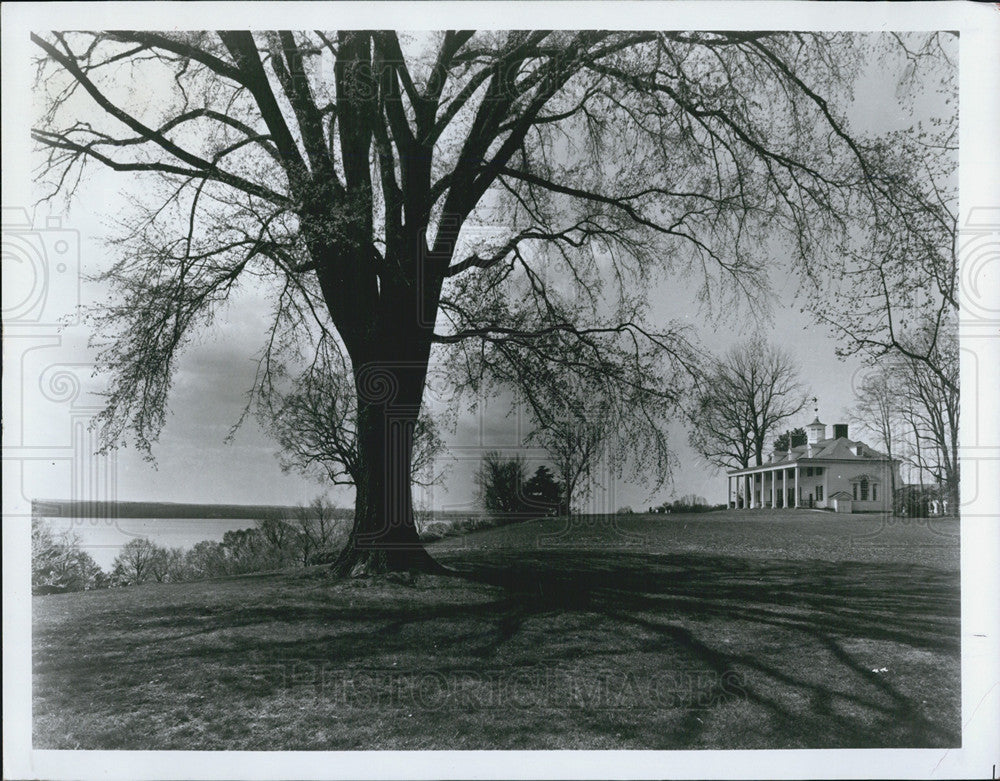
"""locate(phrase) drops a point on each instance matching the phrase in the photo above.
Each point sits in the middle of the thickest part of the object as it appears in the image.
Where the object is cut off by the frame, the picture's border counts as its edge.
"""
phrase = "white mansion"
(836, 473)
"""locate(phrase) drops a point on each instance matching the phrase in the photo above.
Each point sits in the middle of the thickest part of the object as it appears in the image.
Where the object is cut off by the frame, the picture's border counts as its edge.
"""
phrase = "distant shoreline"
(64, 508)
(68, 508)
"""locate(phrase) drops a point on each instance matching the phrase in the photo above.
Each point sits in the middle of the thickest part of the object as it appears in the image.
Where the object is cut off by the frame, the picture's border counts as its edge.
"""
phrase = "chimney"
(840, 431)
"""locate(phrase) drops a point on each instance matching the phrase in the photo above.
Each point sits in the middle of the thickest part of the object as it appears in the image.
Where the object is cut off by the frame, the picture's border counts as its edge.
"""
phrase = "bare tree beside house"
(912, 405)
(742, 400)
(879, 411)
(930, 398)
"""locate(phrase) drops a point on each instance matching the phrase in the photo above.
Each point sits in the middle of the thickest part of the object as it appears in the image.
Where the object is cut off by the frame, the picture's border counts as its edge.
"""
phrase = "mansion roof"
(840, 449)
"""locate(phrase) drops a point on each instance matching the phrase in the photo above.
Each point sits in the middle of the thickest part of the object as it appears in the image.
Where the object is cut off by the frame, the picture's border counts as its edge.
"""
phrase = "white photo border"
(979, 27)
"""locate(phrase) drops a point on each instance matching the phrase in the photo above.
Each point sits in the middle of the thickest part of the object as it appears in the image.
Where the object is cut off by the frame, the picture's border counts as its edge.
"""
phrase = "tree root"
(404, 564)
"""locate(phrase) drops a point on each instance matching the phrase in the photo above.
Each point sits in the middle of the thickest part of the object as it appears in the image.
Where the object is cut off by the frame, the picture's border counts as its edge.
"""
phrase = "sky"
(195, 461)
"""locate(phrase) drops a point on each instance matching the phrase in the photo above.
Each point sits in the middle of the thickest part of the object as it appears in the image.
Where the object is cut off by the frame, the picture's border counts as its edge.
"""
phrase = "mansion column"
(774, 489)
(796, 470)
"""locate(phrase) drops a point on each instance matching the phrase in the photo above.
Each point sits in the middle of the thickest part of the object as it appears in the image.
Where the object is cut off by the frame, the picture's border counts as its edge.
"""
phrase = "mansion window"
(874, 497)
(819, 471)
(864, 490)
(809, 471)
(819, 493)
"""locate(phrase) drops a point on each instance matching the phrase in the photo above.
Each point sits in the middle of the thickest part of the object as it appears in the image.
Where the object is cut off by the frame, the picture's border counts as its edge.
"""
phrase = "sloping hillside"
(717, 631)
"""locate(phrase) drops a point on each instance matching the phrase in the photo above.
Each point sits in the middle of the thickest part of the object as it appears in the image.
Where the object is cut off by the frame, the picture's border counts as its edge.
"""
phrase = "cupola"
(816, 431)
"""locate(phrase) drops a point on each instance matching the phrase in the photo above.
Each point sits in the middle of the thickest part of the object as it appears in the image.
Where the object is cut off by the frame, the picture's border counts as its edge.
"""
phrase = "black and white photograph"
(609, 388)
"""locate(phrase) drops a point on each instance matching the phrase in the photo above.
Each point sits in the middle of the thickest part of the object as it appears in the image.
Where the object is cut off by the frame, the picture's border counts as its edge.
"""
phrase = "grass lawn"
(724, 630)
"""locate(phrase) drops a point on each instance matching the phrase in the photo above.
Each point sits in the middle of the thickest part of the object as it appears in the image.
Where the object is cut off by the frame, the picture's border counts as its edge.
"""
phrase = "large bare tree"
(745, 395)
(353, 175)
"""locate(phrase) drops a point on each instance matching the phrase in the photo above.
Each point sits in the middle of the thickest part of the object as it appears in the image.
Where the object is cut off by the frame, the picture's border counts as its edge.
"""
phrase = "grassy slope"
(711, 631)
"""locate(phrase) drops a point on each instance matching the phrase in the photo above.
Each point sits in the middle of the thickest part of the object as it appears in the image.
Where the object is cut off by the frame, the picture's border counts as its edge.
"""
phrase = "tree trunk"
(387, 326)
(384, 536)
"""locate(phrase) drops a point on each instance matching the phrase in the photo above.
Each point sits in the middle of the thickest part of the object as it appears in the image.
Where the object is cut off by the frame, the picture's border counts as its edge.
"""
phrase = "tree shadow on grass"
(688, 599)
(780, 653)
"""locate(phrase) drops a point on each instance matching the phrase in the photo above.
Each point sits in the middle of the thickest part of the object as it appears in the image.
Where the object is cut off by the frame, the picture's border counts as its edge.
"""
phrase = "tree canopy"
(505, 194)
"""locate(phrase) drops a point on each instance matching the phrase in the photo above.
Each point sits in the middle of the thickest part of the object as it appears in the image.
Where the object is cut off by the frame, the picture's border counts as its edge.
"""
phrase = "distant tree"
(574, 434)
(793, 438)
(137, 560)
(279, 539)
(542, 492)
(689, 503)
(314, 423)
(743, 397)
(614, 417)
(159, 568)
(58, 563)
(207, 559)
(317, 529)
(915, 501)
(176, 565)
(244, 549)
(167, 565)
(44, 553)
(501, 482)
(118, 576)
(910, 405)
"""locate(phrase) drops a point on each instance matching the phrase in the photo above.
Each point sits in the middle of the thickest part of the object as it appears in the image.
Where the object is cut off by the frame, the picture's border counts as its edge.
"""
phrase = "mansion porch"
(832, 473)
